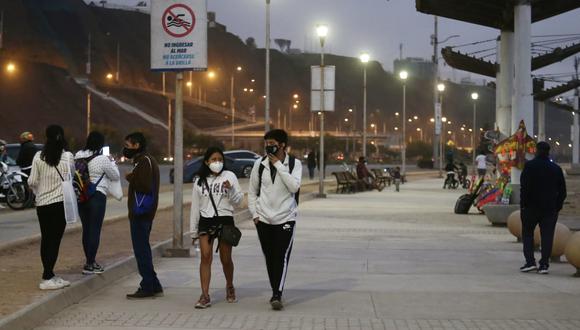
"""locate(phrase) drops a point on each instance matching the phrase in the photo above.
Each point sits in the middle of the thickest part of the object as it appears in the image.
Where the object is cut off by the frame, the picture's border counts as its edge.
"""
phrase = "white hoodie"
(276, 204)
(98, 166)
(225, 199)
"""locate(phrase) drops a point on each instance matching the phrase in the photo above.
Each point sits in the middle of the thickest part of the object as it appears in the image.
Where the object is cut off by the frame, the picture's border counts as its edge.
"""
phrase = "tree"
(283, 44)
(251, 43)
(419, 149)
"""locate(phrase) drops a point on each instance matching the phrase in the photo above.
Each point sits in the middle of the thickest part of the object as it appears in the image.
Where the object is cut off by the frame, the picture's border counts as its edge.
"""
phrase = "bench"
(382, 179)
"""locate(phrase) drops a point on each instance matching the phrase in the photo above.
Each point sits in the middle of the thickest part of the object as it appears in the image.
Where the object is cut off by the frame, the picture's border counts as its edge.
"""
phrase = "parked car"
(13, 149)
(238, 161)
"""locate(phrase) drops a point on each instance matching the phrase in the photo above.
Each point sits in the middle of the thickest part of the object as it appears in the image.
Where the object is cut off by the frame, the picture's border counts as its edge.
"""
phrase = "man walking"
(273, 203)
(543, 191)
(311, 164)
(481, 164)
(143, 199)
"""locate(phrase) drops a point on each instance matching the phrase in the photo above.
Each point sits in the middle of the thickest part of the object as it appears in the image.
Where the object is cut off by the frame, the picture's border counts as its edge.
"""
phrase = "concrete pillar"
(505, 83)
(541, 121)
(523, 102)
(576, 134)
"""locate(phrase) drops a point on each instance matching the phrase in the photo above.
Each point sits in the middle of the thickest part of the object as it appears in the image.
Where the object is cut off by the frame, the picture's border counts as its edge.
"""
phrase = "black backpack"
(291, 163)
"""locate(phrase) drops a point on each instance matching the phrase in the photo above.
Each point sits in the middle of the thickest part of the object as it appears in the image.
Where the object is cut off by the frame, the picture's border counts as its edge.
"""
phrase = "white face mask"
(216, 167)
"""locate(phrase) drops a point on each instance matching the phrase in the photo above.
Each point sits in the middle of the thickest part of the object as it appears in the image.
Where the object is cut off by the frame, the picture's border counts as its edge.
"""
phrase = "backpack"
(291, 163)
(84, 188)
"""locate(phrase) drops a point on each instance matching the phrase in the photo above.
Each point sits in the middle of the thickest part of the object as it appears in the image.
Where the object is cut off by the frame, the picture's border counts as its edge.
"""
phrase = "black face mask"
(272, 150)
(130, 153)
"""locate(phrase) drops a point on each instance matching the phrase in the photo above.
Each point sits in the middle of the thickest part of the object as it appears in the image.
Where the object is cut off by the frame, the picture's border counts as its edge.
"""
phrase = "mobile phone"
(106, 151)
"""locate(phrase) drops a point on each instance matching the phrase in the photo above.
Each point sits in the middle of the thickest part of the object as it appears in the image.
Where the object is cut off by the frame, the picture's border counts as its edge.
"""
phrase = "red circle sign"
(178, 20)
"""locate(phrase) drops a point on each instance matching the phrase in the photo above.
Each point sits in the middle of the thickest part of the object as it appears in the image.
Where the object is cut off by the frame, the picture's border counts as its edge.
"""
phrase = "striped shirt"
(45, 180)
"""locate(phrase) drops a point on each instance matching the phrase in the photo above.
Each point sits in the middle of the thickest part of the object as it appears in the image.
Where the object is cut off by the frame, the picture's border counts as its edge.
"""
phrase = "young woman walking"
(50, 167)
(215, 193)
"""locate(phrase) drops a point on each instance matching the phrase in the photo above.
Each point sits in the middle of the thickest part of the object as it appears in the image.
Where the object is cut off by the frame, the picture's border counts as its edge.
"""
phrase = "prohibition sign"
(178, 20)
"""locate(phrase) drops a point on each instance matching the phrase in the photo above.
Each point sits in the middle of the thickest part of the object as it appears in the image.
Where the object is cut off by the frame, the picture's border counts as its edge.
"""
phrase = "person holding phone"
(102, 171)
(215, 193)
(273, 203)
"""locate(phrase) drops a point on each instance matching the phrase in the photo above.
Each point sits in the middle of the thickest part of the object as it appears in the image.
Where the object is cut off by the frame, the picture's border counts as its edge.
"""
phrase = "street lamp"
(233, 102)
(365, 58)
(267, 99)
(438, 127)
(10, 68)
(474, 97)
(322, 32)
(109, 76)
(420, 132)
(211, 74)
(404, 75)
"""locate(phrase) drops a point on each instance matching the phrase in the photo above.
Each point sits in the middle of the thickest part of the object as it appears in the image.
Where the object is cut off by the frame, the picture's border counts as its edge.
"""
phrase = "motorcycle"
(14, 190)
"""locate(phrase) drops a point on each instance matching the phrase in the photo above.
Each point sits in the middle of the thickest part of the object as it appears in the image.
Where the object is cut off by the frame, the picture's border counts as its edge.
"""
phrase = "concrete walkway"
(365, 261)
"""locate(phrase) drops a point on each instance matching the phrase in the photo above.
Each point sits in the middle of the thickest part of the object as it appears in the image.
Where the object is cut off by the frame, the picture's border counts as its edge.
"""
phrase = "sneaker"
(63, 282)
(543, 270)
(52, 284)
(88, 270)
(203, 302)
(231, 295)
(528, 268)
(142, 294)
(276, 303)
(98, 269)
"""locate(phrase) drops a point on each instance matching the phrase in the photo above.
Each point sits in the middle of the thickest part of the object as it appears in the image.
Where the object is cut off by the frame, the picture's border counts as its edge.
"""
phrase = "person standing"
(50, 167)
(481, 164)
(273, 203)
(27, 151)
(215, 193)
(397, 178)
(142, 203)
(311, 164)
(102, 171)
(542, 195)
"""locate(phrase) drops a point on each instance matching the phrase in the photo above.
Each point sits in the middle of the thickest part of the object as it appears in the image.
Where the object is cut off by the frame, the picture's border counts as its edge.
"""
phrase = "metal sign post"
(178, 43)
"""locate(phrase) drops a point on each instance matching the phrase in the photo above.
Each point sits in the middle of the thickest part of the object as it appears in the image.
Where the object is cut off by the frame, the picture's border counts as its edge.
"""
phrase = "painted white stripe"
(285, 270)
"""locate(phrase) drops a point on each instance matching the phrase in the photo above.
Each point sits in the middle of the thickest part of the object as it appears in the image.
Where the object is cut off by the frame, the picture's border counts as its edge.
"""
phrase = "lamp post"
(404, 75)
(322, 32)
(439, 127)
(267, 101)
(233, 102)
(364, 58)
(293, 106)
(474, 97)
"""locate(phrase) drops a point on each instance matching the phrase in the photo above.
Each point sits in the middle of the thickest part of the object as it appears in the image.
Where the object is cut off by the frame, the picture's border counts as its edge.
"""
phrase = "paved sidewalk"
(365, 261)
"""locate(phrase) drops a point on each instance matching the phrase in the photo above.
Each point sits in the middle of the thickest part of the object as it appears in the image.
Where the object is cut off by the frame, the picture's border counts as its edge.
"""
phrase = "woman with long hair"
(102, 171)
(215, 193)
(50, 167)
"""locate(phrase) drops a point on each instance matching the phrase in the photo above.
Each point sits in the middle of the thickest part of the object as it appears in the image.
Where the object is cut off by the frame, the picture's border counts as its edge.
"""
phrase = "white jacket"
(276, 204)
(98, 166)
(225, 199)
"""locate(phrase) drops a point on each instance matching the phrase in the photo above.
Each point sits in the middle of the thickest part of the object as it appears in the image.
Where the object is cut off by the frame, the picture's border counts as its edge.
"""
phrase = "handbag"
(230, 234)
(145, 202)
(70, 203)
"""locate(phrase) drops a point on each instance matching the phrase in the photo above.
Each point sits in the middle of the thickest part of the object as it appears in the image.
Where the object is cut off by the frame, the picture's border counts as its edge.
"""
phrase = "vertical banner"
(438, 118)
(329, 88)
(178, 35)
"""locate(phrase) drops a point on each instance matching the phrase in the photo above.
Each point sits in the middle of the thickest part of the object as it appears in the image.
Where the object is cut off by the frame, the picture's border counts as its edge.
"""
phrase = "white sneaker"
(61, 281)
(52, 284)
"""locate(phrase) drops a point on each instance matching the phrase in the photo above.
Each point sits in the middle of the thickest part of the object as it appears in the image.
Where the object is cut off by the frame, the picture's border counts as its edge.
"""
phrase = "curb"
(36, 313)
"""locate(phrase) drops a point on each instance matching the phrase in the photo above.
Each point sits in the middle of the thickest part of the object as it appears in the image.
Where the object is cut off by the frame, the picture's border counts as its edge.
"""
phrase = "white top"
(481, 163)
(225, 199)
(276, 204)
(98, 166)
(46, 182)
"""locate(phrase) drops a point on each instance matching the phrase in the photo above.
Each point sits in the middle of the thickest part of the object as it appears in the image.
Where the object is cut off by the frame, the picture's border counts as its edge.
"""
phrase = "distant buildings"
(417, 67)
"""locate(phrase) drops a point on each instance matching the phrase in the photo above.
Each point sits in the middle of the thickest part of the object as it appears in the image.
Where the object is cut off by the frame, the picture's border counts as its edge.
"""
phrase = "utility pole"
(1, 28)
(437, 151)
(118, 62)
(88, 72)
(267, 103)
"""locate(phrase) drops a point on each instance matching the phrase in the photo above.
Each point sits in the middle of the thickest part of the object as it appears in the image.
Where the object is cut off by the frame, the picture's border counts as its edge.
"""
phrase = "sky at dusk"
(376, 26)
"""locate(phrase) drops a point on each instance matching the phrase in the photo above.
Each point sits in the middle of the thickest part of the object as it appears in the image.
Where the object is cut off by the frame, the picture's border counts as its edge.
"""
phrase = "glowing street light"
(109, 76)
(404, 75)
(211, 74)
(10, 68)
(441, 87)
(474, 97)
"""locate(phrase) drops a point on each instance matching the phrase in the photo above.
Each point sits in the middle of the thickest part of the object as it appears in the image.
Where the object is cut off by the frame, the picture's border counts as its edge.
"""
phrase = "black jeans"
(311, 172)
(547, 221)
(276, 242)
(92, 215)
(140, 231)
(52, 225)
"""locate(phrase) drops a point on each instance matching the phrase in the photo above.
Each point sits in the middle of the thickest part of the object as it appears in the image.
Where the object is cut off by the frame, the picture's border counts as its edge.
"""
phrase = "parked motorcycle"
(14, 190)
